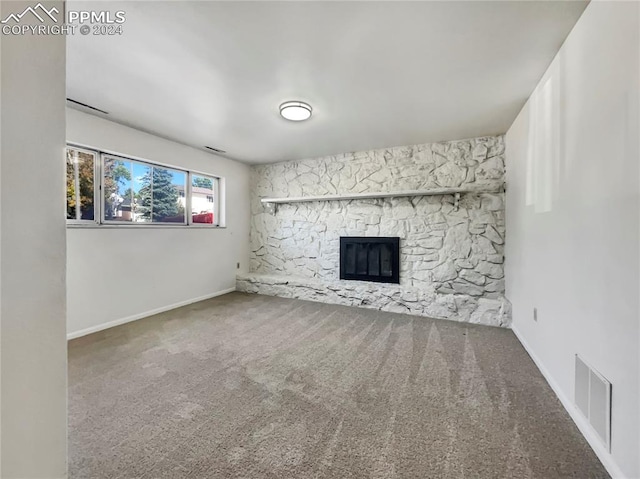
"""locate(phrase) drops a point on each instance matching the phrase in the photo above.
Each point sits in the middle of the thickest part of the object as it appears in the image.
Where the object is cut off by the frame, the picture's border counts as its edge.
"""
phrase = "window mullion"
(131, 183)
(103, 170)
(151, 182)
(76, 181)
(97, 188)
(188, 200)
(216, 201)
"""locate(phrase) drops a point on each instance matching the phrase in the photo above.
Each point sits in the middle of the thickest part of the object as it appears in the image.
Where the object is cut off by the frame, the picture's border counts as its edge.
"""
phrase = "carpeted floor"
(248, 386)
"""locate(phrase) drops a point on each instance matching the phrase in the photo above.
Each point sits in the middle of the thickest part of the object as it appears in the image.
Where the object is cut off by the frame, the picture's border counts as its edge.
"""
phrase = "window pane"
(80, 184)
(140, 178)
(117, 190)
(85, 181)
(159, 196)
(166, 198)
(202, 199)
(71, 185)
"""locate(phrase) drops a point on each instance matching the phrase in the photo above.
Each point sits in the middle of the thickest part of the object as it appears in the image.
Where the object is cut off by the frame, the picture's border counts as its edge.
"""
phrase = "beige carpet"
(248, 386)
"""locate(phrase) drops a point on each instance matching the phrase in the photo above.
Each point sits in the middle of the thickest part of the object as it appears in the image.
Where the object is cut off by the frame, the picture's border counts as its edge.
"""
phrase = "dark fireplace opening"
(370, 258)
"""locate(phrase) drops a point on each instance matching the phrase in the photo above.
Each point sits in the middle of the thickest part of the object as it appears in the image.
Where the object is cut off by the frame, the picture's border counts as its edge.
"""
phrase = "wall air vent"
(216, 150)
(84, 105)
(593, 399)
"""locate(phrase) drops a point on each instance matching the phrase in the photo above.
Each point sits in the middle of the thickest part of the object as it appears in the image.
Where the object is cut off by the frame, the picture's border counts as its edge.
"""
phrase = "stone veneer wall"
(451, 261)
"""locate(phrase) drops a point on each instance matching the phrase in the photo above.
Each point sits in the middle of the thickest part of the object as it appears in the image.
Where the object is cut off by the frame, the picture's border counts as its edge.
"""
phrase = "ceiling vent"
(84, 105)
(593, 399)
(216, 150)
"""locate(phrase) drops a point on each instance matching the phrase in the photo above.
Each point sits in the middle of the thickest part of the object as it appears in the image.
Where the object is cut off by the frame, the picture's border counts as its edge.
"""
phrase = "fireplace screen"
(370, 259)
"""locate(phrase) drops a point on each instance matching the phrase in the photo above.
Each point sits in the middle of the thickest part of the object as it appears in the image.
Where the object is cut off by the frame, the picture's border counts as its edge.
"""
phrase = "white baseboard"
(580, 421)
(135, 317)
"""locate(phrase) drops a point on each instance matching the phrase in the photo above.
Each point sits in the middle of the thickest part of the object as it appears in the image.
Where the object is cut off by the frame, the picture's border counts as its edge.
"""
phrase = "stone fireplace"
(451, 259)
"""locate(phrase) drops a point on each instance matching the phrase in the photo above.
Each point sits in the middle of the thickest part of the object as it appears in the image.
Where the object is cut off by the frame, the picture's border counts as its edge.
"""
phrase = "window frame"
(99, 157)
(96, 187)
(217, 195)
(103, 158)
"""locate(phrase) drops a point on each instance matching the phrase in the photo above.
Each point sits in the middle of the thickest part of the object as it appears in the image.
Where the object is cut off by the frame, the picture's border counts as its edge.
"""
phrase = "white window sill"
(91, 225)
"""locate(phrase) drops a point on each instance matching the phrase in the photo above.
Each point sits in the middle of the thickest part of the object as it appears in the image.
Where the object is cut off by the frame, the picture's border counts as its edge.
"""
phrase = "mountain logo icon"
(39, 11)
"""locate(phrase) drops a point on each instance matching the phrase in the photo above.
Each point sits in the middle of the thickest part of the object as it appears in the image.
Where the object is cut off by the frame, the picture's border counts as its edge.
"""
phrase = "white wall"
(32, 294)
(573, 212)
(118, 273)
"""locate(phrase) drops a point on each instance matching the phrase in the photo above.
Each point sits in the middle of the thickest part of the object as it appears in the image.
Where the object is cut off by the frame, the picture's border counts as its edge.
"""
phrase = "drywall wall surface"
(33, 346)
(572, 213)
(122, 273)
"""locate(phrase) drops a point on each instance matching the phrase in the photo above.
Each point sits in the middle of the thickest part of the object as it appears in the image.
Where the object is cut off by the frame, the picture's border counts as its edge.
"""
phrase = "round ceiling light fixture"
(295, 110)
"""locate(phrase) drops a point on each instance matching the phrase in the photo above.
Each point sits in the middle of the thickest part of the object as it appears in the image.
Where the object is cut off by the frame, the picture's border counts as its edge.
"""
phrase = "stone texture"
(450, 258)
(473, 277)
(384, 297)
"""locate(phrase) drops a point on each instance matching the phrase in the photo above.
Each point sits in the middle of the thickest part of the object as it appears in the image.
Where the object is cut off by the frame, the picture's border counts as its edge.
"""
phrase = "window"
(121, 183)
(133, 191)
(203, 206)
(80, 184)
(137, 192)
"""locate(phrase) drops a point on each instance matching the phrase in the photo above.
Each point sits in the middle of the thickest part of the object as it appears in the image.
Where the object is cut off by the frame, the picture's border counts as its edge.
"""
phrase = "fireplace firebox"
(370, 258)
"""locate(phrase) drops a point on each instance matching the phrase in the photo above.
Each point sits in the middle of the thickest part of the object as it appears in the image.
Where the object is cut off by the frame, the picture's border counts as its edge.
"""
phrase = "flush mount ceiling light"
(295, 110)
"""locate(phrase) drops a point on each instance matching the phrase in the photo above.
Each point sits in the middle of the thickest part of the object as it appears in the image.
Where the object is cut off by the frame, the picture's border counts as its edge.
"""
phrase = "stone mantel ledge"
(382, 296)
